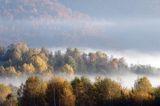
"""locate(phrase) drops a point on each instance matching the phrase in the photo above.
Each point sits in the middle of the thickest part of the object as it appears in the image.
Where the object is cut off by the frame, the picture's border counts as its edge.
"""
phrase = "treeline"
(18, 59)
(79, 92)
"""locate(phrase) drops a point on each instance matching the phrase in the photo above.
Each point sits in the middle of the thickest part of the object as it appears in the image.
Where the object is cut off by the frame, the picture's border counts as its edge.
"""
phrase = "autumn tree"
(70, 61)
(142, 91)
(40, 64)
(28, 68)
(31, 52)
(84, 92)
(108, 91)
(11, 71)
(4, 92)
(67, 69)
(34, 92)
(59, 93)
(15, 52)
(58, 60)
(11, 100)
(74, 53)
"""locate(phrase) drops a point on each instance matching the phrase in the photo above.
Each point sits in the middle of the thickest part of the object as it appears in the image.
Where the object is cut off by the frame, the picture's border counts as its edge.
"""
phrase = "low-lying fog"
(126, 79)
(132, 57)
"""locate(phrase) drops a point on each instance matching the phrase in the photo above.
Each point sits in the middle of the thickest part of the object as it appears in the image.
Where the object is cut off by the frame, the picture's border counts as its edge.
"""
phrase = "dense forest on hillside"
(18, 60)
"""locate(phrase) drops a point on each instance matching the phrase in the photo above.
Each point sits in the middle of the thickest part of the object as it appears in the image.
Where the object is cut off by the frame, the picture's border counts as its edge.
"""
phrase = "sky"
(110, 25)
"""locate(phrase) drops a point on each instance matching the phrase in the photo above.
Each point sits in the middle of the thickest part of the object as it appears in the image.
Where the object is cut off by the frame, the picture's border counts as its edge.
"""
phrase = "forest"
(52, 79)
(18, 59)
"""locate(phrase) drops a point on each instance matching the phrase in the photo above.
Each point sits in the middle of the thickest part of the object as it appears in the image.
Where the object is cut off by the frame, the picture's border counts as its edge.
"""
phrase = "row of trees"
(80, 92)
(18, 58)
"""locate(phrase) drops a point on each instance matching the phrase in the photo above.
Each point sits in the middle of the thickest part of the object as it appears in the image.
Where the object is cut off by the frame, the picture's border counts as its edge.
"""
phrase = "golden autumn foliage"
(35, 86)
(11, 101)
(16, 50)
(84, 91)
(11, 71)
(141, 96)
(143, 84)
(107, 90)
(59, 93)
(34, 90)
(28, 68)
(39, 63)
(20, 56)
(79, 92)
(18, 60)
(67, 69)
(142, 90)
(4, 92)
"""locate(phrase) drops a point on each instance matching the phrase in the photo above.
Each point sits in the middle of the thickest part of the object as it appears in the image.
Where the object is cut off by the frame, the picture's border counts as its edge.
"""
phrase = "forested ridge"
(18, 60)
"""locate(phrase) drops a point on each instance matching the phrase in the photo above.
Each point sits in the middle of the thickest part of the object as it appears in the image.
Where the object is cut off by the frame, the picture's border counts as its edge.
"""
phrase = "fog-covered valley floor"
(125, 77)
(127, 80)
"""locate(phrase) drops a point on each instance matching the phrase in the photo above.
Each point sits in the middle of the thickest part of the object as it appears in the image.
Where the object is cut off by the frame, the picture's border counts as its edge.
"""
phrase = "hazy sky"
(128, 28)
(135, 22)
(103, 24)
(122, 28)
(116, 9)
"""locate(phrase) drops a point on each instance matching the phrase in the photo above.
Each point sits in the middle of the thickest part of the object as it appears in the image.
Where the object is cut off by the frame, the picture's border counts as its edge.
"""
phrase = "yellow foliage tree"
(107, 91)
(59, 93)
(4, 92)
(11, 101)
(39, 63)
(67, 69)
(17, 50)
(11, 71)
(34, 92)
(142, 90)
(28, 68)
